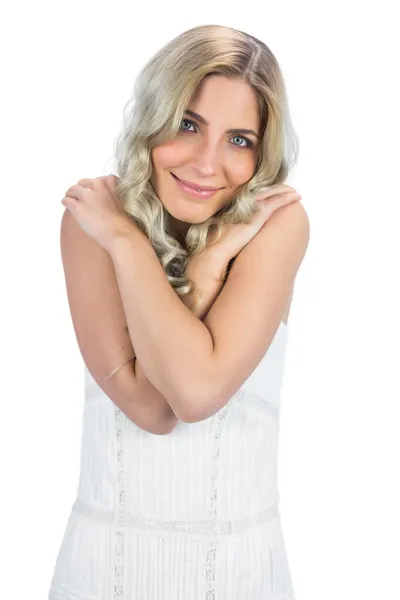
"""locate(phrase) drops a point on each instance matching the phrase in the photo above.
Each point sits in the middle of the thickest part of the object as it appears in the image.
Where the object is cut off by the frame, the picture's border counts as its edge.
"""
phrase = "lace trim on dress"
(219, 419)
(120, 419)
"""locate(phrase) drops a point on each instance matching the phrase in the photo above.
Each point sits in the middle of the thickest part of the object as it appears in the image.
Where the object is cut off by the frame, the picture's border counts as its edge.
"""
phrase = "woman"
(179, 276)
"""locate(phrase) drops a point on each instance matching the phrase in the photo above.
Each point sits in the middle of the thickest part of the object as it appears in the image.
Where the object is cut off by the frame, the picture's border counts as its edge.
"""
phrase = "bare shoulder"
(294, 212)
(290, 221)
(245, 317)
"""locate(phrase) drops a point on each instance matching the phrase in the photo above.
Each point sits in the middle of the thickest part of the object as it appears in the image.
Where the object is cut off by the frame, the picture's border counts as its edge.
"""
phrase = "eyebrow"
(235, 131)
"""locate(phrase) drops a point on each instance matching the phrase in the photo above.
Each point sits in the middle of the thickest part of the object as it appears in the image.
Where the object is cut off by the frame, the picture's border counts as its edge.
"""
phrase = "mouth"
(195, 190)
(200, 188)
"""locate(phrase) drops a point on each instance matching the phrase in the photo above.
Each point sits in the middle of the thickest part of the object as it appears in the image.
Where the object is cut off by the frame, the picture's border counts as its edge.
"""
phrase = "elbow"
(166, 422)
(196, 416)
(153, 419)
(183, 410)
(193, 418)
(195, 401)
(199, 408)
(162, 426)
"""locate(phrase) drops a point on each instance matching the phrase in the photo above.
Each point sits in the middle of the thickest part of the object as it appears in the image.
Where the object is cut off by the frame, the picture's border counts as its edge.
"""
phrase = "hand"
(97, 209)
(236, 236)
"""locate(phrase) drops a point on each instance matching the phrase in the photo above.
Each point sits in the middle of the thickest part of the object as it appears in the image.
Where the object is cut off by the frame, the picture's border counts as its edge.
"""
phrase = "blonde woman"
(179, 274)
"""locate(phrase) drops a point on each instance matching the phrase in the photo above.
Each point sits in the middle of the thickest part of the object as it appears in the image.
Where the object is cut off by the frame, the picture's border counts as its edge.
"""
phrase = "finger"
(288, 199)
(283, 199)
(69, 202)
(274, 190)
(86, 182)
(293, 197)
(75, 191)
(276, 201)
(110, 181)
(276, 187)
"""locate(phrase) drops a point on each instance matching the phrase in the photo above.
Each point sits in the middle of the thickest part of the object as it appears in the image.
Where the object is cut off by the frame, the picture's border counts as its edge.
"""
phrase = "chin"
(192, 214)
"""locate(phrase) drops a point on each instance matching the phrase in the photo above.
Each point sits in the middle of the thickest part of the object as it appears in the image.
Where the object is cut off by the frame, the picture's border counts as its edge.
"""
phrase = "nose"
(205, 158)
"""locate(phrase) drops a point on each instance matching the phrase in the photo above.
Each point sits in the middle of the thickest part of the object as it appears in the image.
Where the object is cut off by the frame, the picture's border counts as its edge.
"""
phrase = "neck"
(178, 229)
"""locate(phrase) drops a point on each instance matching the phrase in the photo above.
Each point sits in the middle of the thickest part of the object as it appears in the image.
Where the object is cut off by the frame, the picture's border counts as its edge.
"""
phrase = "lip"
(191, 191)
(203, 188)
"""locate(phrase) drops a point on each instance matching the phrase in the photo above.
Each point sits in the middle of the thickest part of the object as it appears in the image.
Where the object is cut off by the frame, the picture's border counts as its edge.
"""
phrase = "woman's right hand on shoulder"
(236, 236)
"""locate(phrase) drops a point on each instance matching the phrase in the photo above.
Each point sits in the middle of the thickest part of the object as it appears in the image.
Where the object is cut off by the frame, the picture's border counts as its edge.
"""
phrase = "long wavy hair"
(162, 92)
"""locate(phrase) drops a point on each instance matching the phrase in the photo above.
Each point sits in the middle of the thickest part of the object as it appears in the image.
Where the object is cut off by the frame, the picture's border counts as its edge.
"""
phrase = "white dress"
(191, 515)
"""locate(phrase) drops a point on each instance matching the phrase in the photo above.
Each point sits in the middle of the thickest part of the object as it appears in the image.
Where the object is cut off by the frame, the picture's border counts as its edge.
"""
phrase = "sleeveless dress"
(191, 515)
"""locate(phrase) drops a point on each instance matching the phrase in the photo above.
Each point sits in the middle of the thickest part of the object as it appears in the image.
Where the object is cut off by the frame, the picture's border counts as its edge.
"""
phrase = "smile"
(196, 192)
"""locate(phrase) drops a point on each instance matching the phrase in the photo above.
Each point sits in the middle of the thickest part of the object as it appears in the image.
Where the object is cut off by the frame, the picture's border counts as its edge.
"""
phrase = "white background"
(67, 71)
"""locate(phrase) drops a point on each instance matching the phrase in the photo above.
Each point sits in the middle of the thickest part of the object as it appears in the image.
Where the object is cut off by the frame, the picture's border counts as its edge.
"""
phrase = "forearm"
(160, 417)
(172, 345)
(208, 284)
(163, 418)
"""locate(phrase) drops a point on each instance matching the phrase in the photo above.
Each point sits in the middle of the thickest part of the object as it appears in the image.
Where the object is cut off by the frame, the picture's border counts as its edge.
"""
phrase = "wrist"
(206, 269)
(126, 234)
(207, 281)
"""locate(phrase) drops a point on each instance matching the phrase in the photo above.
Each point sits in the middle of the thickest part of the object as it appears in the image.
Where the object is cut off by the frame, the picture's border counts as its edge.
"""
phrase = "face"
(212, 149)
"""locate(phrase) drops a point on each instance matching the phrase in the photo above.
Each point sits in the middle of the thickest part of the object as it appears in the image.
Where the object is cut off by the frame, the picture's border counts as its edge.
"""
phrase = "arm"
(197, 366)
(208, 281)
(100, 327)
(167, 337)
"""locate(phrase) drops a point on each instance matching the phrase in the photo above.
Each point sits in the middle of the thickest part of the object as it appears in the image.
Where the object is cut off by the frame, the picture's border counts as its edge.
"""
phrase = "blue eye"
(187, 121)
(248, 142)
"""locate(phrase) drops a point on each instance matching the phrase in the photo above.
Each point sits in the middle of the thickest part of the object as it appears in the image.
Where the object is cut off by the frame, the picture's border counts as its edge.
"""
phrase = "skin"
(206, 154)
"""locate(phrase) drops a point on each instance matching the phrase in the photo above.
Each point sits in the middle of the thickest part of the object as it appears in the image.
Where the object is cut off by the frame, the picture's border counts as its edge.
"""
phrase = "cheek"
(159, 155)
(167, 155)
(241, 170)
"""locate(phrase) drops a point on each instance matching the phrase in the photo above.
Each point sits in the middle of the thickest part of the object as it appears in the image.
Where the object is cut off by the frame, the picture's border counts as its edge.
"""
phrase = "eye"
(249, 143)
(187, 121)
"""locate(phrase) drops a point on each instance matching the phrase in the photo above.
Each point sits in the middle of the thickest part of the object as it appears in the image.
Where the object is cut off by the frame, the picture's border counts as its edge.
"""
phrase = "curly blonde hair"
(162, 92)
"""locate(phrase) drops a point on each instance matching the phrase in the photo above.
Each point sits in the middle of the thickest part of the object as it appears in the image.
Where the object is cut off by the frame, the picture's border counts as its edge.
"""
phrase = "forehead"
(228, 98)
